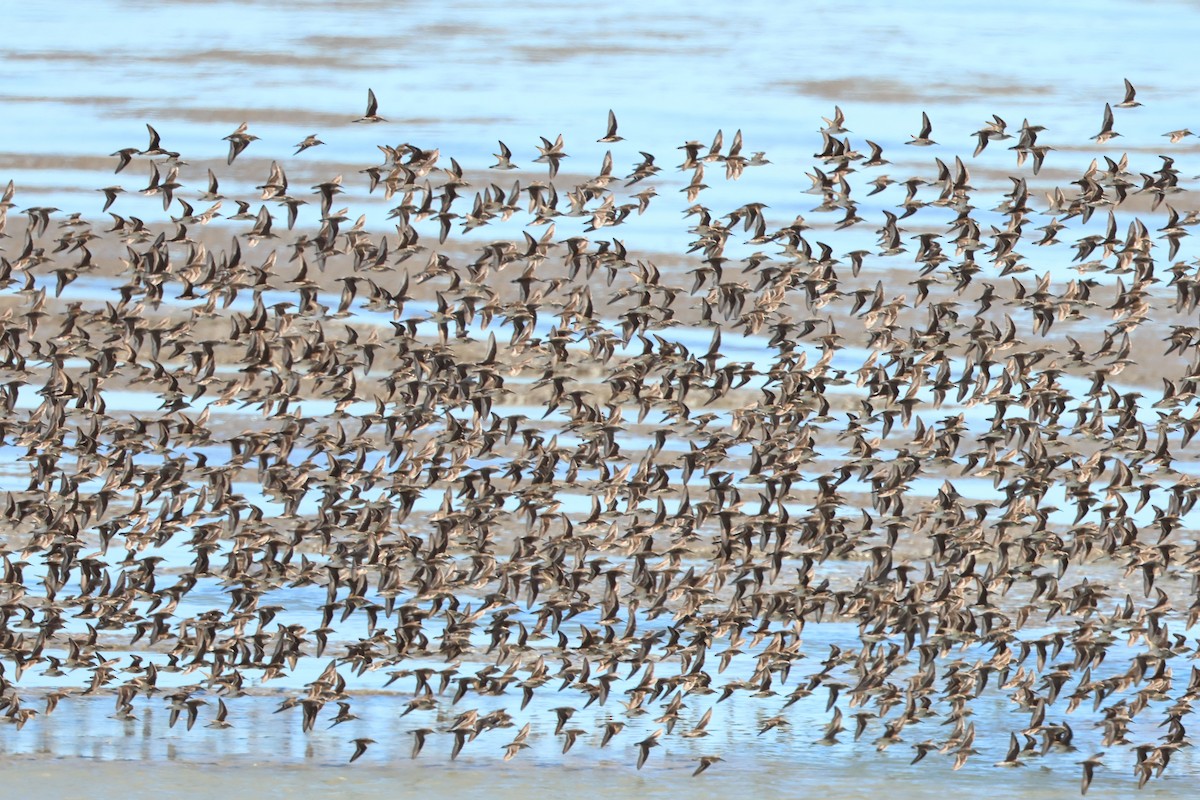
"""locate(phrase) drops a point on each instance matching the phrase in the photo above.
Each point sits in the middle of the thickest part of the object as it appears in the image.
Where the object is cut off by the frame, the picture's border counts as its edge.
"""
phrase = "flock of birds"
(728, 504)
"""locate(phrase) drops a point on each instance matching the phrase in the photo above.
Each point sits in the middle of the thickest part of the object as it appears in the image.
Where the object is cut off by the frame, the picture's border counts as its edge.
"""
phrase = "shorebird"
(309, 141)
(611, 729)
(220, 720)
(154, 148)
(1013, 757)
(372, 113)
(503, 158)
(570, 735)
(643, 170)
(1130, 93)
(1106, 127)
(125, 155)
(563, 713)
(645, 744)
(419, 735)
(110, 196)
(922, 139)
(991, 130)
(611, 135)
(1089, 771)
(835, 126)
(239, 140)
(344, 715)
(360, 747)
(701, 726)
(551, 153)
(876, 158)
(519, 743)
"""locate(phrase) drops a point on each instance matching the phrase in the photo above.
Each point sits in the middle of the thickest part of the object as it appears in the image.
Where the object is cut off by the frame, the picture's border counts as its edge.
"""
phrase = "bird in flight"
(309, 141)
(1130, 94)
(360, 747)
(1106, 127)
(611, 136)
(372, 114)
(922, 139)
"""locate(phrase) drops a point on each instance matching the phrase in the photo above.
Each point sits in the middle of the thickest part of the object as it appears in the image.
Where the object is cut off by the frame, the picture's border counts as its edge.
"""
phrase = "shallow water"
(785, 778)
(461, 75)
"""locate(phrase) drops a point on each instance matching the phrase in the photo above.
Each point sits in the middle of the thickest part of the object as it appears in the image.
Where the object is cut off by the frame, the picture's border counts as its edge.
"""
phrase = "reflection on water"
(151, 760)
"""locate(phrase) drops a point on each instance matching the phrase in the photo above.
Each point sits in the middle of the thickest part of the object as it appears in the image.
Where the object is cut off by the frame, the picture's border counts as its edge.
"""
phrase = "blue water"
(459, 76)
